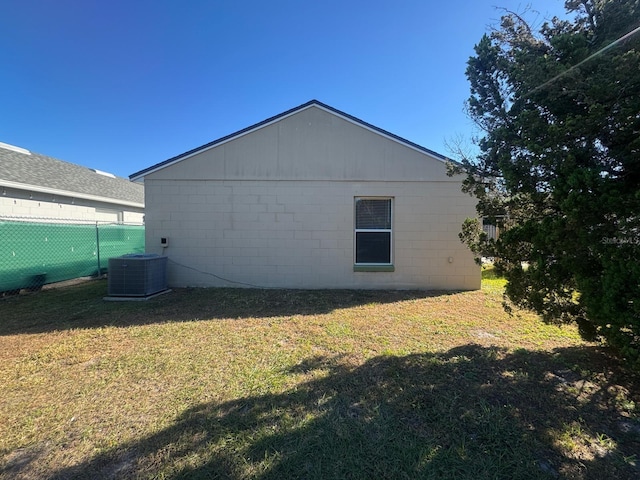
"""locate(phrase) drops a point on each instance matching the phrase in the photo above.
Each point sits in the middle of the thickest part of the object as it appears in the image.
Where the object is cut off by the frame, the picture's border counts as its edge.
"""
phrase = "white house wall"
(275, 208)
(310, 145)
(37, 205)
(301, 234)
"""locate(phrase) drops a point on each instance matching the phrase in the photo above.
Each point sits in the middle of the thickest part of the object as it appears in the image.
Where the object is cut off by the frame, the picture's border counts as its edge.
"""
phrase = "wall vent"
(104, 174)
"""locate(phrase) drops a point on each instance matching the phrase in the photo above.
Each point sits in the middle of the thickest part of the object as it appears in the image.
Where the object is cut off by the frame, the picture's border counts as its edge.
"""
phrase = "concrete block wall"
(36, 205)
(300, 234)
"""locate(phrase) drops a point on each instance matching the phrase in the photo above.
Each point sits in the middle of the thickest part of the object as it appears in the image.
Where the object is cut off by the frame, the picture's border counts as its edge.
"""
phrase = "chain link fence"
(36, 252)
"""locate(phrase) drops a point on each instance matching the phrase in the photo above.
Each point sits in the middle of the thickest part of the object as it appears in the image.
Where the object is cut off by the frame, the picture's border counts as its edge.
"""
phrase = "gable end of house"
(137, 176)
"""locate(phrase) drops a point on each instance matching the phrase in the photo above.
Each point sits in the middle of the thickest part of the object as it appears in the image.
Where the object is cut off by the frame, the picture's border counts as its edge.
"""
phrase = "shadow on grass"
(82, 306)
(471, 412)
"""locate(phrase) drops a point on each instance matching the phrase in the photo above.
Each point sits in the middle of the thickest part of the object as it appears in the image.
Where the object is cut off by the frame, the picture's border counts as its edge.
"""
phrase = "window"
(373, 231)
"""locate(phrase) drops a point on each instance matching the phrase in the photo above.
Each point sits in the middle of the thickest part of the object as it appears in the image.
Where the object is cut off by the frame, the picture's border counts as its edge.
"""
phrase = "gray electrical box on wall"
(164, 241)
(137, 275)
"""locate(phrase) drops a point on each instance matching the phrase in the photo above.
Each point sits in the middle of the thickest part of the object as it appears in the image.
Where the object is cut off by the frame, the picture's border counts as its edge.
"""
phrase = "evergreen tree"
(559, 166)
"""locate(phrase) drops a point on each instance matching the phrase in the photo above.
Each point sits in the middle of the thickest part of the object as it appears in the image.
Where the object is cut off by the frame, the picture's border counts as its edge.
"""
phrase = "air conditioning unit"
(137, 275)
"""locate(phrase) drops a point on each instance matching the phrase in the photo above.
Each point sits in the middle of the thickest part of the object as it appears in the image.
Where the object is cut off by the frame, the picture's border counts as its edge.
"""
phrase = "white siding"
(310, 145)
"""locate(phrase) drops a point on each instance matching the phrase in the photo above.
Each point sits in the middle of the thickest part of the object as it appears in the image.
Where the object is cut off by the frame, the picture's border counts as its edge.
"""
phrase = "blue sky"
(120, 85)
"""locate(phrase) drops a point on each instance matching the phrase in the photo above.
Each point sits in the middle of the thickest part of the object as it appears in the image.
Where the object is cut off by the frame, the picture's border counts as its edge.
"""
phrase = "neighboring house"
(40, 187)
(310, 198)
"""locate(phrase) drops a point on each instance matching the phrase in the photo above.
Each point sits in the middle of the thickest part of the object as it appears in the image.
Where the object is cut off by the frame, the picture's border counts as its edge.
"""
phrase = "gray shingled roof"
(42, 171)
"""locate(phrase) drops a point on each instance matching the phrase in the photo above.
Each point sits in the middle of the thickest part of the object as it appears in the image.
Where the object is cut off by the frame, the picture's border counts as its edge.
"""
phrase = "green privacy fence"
(33, 254)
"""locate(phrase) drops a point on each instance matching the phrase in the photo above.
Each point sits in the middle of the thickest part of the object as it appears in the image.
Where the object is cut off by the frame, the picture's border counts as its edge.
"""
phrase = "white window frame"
(372, 230)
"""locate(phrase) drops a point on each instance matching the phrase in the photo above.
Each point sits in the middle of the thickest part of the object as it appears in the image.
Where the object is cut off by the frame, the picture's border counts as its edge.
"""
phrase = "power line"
(221, 278)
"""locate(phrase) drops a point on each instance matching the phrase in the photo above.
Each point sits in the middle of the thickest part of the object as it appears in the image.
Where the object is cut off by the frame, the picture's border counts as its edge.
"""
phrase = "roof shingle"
(43, 171)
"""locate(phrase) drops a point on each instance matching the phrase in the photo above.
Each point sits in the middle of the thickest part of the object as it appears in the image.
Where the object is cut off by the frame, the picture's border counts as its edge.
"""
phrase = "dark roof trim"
(139, 175)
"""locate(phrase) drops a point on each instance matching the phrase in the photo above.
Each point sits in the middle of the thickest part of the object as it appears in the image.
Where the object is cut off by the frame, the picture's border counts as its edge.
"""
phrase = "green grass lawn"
(277, 384)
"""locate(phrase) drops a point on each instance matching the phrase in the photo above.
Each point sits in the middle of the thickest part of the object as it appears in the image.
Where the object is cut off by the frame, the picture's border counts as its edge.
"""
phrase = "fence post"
(98, 248)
